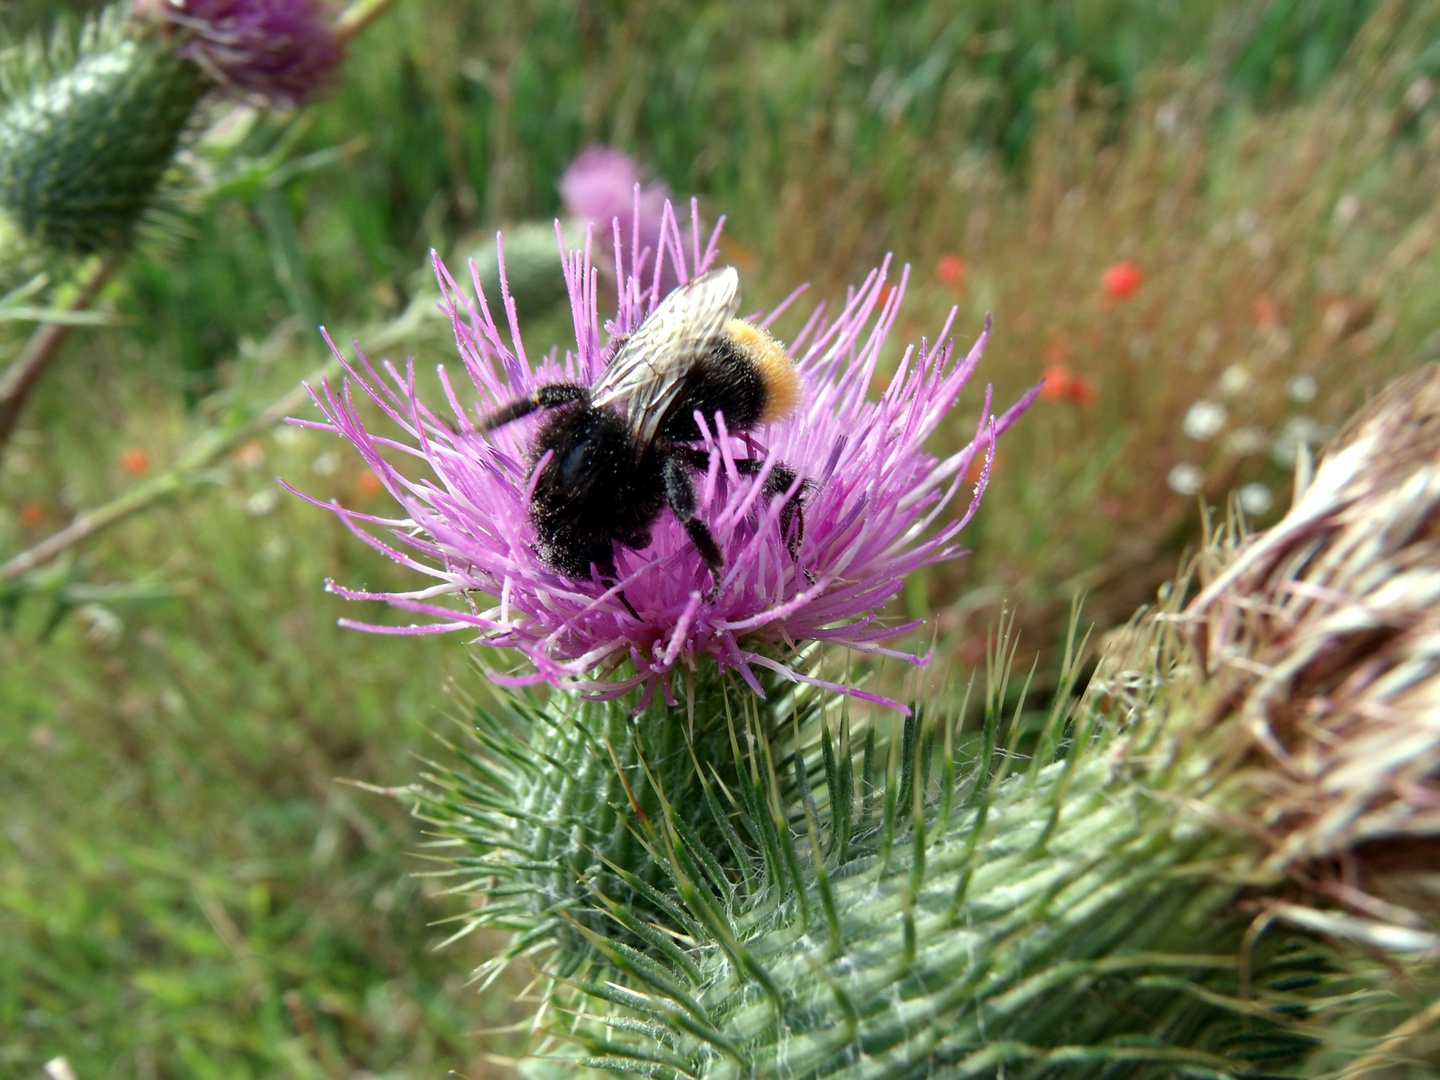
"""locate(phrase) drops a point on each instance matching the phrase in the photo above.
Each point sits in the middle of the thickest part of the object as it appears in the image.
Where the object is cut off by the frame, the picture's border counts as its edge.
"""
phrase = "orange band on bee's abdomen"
(777, 373)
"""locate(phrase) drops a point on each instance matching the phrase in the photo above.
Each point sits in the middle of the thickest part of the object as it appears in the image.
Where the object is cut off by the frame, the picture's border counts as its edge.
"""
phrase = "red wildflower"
(135, 461)
(951, 270)
(251, 454)
(1120, 280)
(1081, 390)
(32, 513)
(1057, 382)
(1265, 310)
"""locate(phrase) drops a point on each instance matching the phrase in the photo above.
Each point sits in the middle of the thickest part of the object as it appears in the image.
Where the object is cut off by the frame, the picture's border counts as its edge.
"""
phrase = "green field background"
(189, 886)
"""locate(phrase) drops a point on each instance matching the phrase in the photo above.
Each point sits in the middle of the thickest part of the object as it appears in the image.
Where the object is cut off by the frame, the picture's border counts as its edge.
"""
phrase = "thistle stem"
(200, 454)
(20, 378)
(359, 15)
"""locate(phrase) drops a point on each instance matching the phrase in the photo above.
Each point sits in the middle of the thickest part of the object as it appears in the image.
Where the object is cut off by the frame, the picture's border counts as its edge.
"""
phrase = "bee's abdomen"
(747, 376)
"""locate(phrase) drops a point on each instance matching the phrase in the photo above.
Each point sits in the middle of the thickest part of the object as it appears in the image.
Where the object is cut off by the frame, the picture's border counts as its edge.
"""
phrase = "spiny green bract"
(88, 132)
(545, 816)
(766, 894)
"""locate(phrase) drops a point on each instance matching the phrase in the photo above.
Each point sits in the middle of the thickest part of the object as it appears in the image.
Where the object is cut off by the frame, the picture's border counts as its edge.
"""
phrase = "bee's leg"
(698, 460)
(680, 494)
(626, 601)
(608, 577)
(792, 514)
(608, 581)
(550, 396)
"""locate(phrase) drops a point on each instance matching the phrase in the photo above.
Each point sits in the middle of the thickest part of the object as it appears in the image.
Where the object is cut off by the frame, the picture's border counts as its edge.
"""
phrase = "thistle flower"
(875, 495)
(602, 185)
(279, 50)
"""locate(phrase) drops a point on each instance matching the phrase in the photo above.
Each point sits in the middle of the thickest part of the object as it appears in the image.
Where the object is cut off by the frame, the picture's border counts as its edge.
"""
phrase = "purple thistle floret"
(876, 493)
(279, 50)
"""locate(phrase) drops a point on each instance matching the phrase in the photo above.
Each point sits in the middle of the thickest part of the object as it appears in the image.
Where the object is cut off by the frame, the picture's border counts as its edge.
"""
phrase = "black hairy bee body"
(611, 457)
(592, 493)
(722, 381)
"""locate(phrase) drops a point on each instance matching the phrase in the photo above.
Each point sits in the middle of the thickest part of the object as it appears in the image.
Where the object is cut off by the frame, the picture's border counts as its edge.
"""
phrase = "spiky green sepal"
(770, 895)
(87, 134)
(553, 816)
(1063, 921)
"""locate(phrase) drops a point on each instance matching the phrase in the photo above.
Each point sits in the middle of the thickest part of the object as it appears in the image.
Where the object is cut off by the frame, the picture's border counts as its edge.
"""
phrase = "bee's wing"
(647, 373)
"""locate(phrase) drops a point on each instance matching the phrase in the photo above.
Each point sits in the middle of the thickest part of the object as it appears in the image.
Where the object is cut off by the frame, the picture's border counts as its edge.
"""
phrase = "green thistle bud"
(808, 904)
(548, 817)
(532, 266)
(83, 152)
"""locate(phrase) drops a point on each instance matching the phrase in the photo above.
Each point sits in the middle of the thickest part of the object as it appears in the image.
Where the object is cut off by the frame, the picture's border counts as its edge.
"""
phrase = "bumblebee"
(613, 455)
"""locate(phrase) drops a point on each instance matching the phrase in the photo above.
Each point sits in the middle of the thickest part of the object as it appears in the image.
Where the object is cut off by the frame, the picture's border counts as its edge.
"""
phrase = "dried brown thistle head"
(1320, 639)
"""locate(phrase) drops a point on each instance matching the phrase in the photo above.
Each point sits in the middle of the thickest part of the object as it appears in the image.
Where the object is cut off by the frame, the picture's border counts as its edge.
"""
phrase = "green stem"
(22, 376)
(359, 15)
(290, 272)
(183, 475)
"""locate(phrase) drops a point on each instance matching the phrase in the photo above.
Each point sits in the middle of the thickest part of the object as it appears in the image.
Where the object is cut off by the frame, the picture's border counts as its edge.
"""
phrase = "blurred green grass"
(186, 889)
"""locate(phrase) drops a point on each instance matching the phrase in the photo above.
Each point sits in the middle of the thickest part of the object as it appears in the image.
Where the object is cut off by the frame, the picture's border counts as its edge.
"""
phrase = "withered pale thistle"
(1324, 633)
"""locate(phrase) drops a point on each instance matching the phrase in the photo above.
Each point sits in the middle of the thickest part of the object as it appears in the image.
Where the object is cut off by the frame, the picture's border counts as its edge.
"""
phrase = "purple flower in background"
(280, 50)
(599, 187)
(875, 494)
